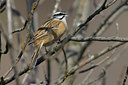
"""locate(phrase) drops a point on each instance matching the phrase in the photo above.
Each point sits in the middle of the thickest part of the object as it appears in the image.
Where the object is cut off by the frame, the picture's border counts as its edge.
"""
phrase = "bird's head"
(59, 15)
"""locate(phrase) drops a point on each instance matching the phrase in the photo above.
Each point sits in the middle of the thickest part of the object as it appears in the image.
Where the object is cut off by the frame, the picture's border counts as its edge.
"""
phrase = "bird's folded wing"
(40, 34)
(43, 31)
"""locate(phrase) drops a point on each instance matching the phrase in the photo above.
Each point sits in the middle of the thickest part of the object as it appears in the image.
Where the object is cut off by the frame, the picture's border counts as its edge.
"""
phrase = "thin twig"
(92, 16)
(18, 14)
(111, 3)
(54, 50)
(48, 72)
(99, 63)
(122, 73)
(66, 61)
(112, 17)
(56, 6)
(87, 44)
(75, 68)
(125, 78)
(74, 48)
(102, 39)
(0, 48)
(26, 23)
(10, 53)
(100, 76)
(40, 60)
(87, 77)
(14, 66)
(98, 30)
(2, 5)
(6, 49)
(9, 17)
(110, 61)
(35, 4)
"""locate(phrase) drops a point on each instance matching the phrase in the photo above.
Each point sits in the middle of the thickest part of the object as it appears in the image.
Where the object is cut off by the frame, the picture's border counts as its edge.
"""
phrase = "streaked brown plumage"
(47, 34)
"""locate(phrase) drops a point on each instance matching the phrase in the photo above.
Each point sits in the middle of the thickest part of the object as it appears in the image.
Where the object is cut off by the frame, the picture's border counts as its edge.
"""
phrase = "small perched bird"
(48, 33)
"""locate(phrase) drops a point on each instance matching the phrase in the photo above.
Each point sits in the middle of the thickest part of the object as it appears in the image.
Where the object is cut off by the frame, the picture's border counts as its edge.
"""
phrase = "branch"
(102, 39)
(103, 7)
(2, 5)
(35, 4)
(100, 76)
(126, 75)
(96, 32)
(6, 49)
(85, 46)
(56, 6)
(10, 46)
(75, 68)
(40, 60)
(65, 58)
(99, 63)
(66, 39)
(8, 43)
(27, 22)
(102, 27)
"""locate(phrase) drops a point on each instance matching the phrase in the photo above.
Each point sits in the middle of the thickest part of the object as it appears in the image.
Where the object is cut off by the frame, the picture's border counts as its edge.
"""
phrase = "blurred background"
(114, 73)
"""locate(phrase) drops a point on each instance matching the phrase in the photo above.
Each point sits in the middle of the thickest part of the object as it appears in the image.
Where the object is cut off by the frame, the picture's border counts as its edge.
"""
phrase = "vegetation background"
(78, 11)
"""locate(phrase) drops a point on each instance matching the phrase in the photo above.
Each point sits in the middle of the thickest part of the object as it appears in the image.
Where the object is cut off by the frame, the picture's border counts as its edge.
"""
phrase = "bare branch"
(35, 4)
(92, 16)
(6, 49)
(2, 5)
(10, 46)
(48, 71)
(75, 68)
(27, 22)
(111, 3)
(56, 6)
(100, 76)
(99, 63)
(66, 61)
(67, 39)
(40, 60)
(9, 18)
(102, 39)
(105, 23)
(126, 75)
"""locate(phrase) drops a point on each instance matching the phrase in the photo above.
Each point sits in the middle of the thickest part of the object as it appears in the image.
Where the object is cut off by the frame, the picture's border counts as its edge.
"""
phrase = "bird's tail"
(35, 55)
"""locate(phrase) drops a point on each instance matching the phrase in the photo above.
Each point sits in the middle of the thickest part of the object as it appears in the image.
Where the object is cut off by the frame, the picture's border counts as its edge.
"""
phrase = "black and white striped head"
(59, 15)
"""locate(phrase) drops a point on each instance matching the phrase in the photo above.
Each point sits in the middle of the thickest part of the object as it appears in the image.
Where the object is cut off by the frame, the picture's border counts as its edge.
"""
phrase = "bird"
(51, 31)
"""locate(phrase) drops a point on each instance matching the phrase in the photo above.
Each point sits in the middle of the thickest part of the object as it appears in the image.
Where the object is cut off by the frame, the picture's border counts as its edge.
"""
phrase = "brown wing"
(42, 32)
(38, 35)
